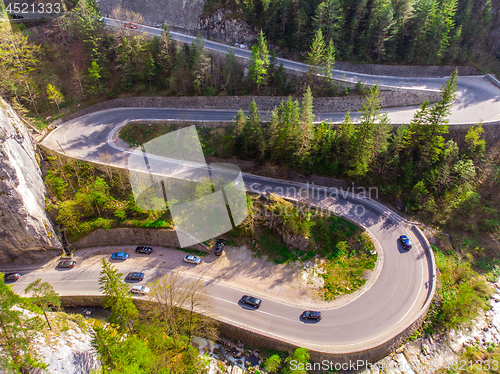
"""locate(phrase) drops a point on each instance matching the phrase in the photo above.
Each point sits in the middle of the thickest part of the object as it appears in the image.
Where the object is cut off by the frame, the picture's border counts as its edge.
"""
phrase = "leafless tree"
(183, 306)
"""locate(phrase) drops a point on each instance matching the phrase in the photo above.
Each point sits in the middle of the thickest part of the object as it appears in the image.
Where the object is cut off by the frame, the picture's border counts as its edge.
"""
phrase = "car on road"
(140, 290)
(252, 301)
(219, 246)
(309, 314)
(11, 277)
(406, 242)
(144, 249)
(129, 25)
(66, 264)
(17, 16)
(192, 259)
(119, 256)
(135, 276)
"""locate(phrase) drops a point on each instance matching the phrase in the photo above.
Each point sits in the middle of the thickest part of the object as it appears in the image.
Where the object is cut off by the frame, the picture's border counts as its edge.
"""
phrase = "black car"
(144, 249)
(136, 276)
(66, 264)
(309, 314)
(11, 277)
(17, 16)
(405, 241)
(219, 246)
(252, 301)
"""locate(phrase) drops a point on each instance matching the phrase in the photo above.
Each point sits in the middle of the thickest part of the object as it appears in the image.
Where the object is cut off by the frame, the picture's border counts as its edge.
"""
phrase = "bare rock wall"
(24, 225)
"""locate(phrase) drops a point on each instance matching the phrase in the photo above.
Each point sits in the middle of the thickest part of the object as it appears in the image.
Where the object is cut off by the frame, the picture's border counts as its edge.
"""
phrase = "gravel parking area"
(295, 283)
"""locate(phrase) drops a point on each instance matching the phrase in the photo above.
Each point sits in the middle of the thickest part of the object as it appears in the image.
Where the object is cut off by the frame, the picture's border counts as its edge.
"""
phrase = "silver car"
(192, 259)
(140, 290)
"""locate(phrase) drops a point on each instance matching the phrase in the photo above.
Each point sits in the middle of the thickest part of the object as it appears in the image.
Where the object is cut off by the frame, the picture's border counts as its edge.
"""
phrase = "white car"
(192, 259)
(140, 290)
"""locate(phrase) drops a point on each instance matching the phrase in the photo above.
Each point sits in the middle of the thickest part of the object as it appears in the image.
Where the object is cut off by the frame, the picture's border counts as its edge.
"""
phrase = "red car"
(129, 25)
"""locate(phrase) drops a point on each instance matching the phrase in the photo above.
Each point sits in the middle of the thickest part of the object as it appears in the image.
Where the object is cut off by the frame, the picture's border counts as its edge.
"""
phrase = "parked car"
(140, 290)
(129, 25)
(406, 242)
(309, 314)
(192, 259)
(119, 256)
(144, 249)
(219, 246)
(11, 277)
(17, 16)
(66, 264)
(135, 276)
(252, 301)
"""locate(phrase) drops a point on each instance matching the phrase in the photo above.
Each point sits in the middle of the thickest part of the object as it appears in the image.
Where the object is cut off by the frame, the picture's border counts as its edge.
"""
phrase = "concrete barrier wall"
(493, 80)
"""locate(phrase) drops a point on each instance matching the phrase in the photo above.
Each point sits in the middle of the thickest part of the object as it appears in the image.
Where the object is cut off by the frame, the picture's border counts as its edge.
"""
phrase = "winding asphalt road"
(405, 280)
(477, 98)
(399, 293)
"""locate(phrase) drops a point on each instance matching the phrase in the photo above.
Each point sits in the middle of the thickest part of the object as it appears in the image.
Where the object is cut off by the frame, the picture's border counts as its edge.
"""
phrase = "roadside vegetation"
(461, 295)
(21, 323)
(83, 199)
(141, 339)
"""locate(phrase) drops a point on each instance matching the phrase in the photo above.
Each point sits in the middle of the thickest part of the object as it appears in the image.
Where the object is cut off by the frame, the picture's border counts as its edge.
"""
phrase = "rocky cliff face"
(182, 13)
(24, 225)
(231, 30)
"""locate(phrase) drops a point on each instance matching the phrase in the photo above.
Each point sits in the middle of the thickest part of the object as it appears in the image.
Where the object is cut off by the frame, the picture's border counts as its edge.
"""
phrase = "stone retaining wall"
(133, 236)
(265, 103)
(406, 71)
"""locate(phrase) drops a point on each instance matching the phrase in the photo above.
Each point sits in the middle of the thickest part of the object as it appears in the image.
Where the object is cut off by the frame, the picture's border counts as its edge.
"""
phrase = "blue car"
(119, 256)
(406, 242)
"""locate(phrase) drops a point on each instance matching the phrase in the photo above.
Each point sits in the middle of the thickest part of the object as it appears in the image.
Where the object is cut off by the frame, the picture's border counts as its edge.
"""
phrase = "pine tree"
(259, 61)
(230, 72)
(200, 64)
(371, 135)
(117, 296)
(253, 134)
(329, 60)
(94, 76)
(54, 95)
(476, 145)
(305, 128)
(424, 136)
(380, 27)
(316, 55)
(330, 19)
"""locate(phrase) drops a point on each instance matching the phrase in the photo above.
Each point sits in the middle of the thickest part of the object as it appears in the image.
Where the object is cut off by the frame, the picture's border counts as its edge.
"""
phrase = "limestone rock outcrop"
(24, 225)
